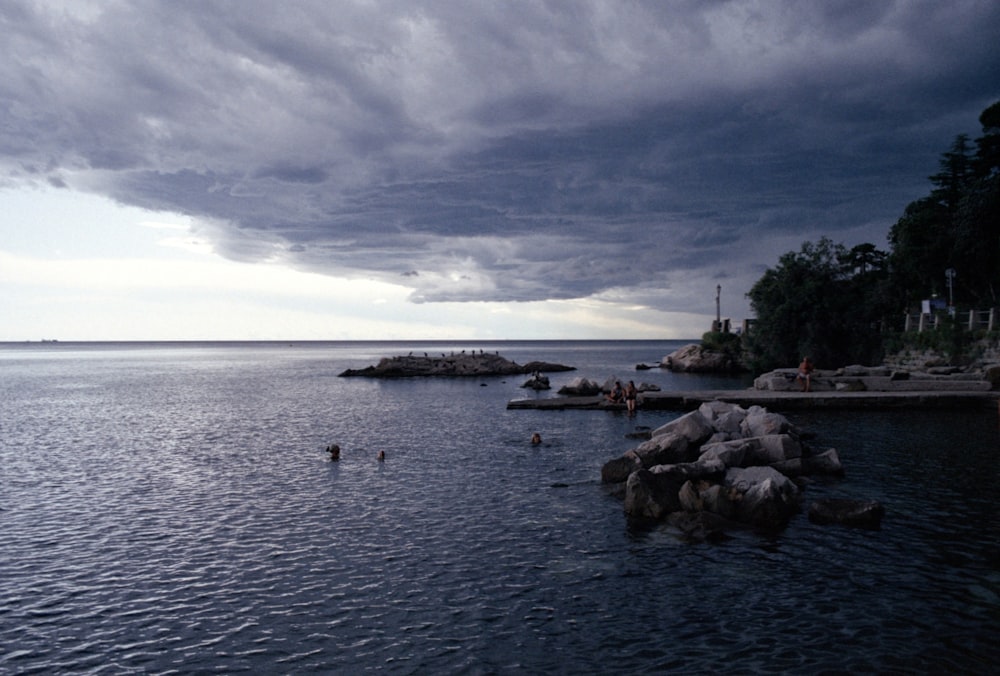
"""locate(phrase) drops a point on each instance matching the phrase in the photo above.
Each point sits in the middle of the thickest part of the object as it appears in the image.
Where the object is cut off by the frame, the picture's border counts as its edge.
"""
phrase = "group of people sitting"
(627, 394)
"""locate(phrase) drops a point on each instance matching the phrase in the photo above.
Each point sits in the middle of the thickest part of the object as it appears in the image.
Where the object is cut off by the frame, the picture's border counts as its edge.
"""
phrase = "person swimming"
(334, 451)
(536, 439)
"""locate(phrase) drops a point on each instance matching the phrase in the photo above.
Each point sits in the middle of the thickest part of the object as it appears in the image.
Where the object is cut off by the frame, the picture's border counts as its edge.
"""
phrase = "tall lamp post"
(718, 308)
(949, 276)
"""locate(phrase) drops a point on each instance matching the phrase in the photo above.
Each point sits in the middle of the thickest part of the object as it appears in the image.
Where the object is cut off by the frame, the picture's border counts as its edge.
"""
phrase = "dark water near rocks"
(169, 508)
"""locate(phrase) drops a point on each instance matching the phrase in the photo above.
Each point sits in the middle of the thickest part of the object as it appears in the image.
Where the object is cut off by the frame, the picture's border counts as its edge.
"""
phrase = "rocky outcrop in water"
(696, 358)
(537, 382)
(455, 364)
(716, 467)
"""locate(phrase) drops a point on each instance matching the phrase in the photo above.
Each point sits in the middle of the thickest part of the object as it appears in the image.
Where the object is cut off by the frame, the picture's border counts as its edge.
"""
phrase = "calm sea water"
(168, 508)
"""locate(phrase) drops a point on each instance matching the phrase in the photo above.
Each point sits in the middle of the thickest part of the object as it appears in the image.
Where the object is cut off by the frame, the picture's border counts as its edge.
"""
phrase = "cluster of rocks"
(722, 465)
(881, 379)
(455, 364)
(583, 387)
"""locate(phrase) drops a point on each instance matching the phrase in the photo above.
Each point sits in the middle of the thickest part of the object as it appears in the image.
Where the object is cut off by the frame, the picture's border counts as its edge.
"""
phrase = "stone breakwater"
(723, 466)
(454, 364)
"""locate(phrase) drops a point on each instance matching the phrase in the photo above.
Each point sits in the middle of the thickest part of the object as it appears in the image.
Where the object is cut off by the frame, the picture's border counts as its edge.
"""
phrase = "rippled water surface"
(169, 508)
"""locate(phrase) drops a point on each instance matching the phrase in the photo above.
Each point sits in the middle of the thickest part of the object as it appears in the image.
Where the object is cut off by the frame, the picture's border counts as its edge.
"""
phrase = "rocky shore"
(923, 368)
(454, 364)
(926, 383)
(724, 466)
(883, 379)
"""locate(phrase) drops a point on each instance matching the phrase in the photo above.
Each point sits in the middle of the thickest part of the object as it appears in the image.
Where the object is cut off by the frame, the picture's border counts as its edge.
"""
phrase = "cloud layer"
(501, 151)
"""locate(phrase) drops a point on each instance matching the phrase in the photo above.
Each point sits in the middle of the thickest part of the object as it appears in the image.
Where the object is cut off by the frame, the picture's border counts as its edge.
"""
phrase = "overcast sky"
(412, 169)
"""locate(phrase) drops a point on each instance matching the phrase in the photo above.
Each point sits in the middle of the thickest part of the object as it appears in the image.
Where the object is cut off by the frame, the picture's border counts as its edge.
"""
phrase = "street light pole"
(718, 308)
(949, 275)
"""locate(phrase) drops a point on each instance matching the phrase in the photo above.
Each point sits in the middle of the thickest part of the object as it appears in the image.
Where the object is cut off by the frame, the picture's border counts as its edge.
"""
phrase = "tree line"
(842, 306)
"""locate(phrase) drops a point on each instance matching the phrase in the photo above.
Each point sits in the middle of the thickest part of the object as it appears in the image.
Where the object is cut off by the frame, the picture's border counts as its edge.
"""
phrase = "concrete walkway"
(683, 401)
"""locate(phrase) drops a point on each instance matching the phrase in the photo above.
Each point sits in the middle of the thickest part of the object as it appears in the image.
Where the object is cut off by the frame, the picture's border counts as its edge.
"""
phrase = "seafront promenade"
(793, 400)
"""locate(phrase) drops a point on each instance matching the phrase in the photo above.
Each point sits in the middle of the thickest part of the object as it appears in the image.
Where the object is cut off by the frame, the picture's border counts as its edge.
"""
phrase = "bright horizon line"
(58, 341)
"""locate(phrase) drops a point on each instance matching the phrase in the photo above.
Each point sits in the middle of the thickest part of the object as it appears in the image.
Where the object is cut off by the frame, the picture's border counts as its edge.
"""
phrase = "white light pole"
(718, 308)
(949, 275)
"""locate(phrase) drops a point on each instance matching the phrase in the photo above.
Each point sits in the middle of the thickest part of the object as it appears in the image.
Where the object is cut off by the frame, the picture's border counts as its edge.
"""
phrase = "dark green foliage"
(822, 302)
(988, 153)
(730, 344)
(919, 245)
(842, 306)
(721, 342)
(956, 226)
(948, 338)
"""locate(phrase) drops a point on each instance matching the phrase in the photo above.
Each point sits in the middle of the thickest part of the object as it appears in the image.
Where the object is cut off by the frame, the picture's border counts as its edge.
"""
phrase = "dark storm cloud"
(502, 150)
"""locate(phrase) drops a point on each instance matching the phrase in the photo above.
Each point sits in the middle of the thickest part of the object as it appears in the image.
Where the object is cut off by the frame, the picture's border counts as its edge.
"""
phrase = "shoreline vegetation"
(841, 305)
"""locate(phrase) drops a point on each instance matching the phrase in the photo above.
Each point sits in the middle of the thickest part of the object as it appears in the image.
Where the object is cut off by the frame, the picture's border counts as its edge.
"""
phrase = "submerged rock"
(846, 512)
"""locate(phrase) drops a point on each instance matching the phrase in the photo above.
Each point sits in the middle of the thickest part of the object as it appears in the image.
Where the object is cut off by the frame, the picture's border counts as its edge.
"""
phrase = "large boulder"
(666, 449)
(726, 419)
(716, 499)
(651, 496)
(695, 358)
(580, 387)
(617, 470)
(766, 497)
(702, 496)
(693, 426)
(701, 469)
(774, 448)
(760, 422)
(824, 462)
(768, 450)
(730, 453)
(609, 384)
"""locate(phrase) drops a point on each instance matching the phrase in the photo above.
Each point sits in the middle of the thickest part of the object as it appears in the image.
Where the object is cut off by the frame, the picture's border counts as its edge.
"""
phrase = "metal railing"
(972, 320)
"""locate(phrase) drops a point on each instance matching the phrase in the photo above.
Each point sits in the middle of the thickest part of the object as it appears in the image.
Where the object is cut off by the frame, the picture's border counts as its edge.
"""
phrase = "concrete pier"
(684, 401)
